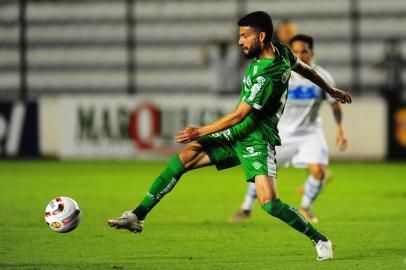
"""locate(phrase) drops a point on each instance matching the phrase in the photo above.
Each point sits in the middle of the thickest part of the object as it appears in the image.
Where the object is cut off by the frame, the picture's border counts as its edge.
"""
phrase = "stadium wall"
(142, 127)
(365, 124)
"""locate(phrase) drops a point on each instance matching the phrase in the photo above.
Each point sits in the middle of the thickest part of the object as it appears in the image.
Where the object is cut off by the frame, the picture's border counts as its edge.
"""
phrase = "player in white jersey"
(300, 128)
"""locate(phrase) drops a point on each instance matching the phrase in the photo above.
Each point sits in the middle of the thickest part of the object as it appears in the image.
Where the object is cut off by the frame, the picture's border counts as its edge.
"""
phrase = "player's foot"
(324, 250)
(128, 221)
(240, 216)
(308, 214)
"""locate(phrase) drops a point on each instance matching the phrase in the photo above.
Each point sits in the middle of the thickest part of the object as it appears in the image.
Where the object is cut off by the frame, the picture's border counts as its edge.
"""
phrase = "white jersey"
(301, 114)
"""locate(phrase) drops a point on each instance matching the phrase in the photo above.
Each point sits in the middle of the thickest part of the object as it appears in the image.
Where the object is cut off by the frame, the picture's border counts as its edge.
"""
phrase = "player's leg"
(312, 188)
(270, 202)
(259, 164)
(284, 155)
(191, 157)
(313, 154)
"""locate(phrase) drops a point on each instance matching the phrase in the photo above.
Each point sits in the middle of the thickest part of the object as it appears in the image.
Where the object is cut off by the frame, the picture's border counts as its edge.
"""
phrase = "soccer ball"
(62, 214)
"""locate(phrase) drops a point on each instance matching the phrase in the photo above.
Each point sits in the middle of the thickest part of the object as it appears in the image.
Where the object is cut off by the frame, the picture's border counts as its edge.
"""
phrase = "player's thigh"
(220, 150)
(257, 158)
(266, 188)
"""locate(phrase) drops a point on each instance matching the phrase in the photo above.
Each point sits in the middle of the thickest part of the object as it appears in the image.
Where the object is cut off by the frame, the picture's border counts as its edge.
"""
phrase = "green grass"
(363, 210)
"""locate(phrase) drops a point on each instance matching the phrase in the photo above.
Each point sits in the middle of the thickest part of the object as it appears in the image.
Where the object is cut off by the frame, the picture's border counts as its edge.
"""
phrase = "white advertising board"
(130, 127)
(125, 127)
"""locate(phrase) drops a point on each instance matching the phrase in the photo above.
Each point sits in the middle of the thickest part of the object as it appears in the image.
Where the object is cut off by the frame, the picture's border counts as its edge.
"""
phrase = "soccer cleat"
(240, 216)
(308, 214)
(128, 221)
(324, 250)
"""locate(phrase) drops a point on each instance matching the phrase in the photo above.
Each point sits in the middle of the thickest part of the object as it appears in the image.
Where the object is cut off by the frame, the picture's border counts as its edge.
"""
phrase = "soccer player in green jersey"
(246, 136)
(300, 127)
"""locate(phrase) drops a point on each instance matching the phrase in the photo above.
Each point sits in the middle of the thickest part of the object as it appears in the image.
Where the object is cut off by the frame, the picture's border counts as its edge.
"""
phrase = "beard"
(253, 52)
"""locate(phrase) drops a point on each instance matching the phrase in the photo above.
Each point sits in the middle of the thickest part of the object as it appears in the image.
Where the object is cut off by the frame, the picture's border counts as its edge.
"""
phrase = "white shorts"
(301, 150)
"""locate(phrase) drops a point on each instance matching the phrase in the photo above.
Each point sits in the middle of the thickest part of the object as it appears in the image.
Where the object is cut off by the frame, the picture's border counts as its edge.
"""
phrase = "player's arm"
(312, 75)
(341, 140)
(193, 133)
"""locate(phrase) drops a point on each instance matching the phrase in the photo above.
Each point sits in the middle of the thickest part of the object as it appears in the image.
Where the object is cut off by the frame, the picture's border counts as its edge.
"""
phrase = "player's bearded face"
(253, 51)
(249, 42)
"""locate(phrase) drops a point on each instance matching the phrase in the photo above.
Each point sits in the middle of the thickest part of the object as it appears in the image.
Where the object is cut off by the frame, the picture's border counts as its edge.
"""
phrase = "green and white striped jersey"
(265, 88)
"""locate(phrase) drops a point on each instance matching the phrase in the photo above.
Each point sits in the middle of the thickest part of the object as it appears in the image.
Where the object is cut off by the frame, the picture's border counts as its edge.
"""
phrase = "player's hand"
(341, 140)
(340, 95)
(187, 135)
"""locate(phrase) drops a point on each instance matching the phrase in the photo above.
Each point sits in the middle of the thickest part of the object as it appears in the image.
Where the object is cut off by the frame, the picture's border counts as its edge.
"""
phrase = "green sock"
(162, 185)
(293, 218)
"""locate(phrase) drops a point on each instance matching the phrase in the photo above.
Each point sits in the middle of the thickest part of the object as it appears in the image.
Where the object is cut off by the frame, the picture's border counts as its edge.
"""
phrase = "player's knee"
(319, 172)
(185, 157)
(264, 200)
(188, 154)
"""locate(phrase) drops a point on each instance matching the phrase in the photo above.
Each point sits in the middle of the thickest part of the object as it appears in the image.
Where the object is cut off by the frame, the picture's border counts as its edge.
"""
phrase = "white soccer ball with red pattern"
(62, 214)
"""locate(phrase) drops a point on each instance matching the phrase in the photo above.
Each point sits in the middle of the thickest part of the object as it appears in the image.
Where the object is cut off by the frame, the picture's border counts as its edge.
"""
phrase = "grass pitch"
(363, 210)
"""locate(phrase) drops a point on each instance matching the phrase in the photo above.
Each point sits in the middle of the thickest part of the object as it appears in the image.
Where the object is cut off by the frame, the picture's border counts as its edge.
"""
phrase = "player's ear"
(261, 37)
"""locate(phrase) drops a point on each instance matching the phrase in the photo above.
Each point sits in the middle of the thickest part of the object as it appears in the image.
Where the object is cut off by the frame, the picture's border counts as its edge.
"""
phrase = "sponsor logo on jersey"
(252, 152)
(257, 165)
(286, 75)
(256, 87)
(255, 154)
(303, 92)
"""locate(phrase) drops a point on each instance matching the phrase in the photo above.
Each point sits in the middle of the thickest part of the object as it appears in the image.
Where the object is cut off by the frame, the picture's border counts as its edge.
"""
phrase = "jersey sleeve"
(293, 60)
(259, 92)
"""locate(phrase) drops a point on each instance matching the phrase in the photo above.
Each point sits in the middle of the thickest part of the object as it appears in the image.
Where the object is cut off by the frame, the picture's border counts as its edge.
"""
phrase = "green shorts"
(256, 156)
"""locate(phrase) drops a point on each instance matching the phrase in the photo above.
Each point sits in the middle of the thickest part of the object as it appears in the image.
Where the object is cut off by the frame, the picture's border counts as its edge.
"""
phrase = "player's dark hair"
(260, 21)
(305, 38)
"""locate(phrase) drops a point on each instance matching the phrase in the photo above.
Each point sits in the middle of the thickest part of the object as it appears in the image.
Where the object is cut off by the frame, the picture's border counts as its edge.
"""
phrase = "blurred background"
(90, 79)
